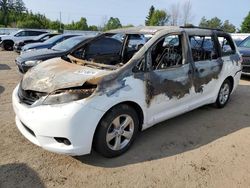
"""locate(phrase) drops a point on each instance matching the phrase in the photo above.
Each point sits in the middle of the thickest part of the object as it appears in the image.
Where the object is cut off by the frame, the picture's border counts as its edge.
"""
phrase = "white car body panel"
(77, 120)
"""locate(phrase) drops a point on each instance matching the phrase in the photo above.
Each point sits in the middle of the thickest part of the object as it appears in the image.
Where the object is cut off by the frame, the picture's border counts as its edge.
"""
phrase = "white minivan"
(106, 90)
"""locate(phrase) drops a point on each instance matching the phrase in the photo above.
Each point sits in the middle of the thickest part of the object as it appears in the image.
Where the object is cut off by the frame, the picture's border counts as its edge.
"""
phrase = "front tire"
(8, 45)
(224, 94)
(116, 131)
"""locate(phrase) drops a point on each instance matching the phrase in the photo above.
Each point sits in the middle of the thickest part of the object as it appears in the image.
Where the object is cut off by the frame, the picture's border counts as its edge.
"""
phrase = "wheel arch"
(132, 104)
(231, 80)
(8, 40)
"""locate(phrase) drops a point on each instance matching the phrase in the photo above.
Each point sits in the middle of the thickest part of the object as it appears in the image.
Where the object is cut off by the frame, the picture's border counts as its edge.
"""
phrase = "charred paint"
(57, 74)
(205, 72)
(115, 81)
(168, 83)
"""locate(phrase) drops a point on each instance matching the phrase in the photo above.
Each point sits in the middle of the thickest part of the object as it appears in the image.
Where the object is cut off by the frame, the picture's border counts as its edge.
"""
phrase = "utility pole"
(60, 21)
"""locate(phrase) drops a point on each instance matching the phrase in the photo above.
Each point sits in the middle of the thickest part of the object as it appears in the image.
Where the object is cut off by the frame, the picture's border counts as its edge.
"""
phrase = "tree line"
(13, 13)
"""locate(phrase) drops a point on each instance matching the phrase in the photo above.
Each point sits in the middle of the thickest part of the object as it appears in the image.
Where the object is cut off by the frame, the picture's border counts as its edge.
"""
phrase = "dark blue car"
(29, 59)
(41, 38)
(244, 48)
(48, 43)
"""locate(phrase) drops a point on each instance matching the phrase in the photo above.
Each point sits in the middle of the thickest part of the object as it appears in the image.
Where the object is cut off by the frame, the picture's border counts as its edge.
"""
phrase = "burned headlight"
(69, 95)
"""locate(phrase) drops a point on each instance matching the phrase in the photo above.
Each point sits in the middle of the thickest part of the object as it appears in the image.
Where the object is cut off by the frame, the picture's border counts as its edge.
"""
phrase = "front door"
(169, 82)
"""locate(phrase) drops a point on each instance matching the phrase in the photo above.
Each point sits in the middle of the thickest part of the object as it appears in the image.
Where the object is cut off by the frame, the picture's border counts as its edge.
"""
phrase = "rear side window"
(203, 48)
(33, 33)
(226, 45)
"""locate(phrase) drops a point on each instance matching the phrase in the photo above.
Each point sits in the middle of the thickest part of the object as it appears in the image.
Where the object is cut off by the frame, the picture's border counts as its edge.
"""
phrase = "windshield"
(245, 43)
(40, 36)
(53, 39)
(111, 49)
(68, 44)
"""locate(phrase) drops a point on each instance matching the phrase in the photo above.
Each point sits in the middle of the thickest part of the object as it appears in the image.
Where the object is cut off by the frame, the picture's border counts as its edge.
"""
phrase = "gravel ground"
(207, 147)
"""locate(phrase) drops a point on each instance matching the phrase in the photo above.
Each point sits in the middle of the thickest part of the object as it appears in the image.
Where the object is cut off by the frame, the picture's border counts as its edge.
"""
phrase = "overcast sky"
(135, 11)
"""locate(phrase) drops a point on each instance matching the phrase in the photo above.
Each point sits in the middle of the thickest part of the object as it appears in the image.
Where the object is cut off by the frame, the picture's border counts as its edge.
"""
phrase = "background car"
(27, 60)
(41, 38)
(7, 41)
(48, 43)
(237, 42)
(244, 48)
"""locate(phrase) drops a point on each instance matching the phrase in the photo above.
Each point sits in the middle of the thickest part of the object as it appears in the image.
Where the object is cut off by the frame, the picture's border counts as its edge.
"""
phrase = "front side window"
(20, 34)
(167, 52)
(203, 48)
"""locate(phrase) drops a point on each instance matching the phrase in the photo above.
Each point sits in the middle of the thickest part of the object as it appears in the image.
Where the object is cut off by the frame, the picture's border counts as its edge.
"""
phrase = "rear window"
(226, 45)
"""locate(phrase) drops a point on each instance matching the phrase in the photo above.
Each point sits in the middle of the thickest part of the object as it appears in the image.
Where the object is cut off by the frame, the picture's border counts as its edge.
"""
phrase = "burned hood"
(57, 74)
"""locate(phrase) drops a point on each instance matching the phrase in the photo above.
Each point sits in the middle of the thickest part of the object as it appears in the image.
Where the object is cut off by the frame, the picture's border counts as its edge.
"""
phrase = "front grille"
(28, 96)
(28, 129)
(246, 69)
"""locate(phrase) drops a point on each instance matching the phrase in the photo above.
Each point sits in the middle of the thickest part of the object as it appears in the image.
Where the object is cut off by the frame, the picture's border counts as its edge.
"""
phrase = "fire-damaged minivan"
(114, 85)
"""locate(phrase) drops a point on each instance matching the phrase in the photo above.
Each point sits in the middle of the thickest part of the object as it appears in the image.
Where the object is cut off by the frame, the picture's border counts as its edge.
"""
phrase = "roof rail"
(197, 27)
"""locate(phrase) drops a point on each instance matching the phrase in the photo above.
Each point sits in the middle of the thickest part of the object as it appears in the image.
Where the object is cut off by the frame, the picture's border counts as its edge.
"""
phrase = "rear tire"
(116, 131)
(224, 94)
